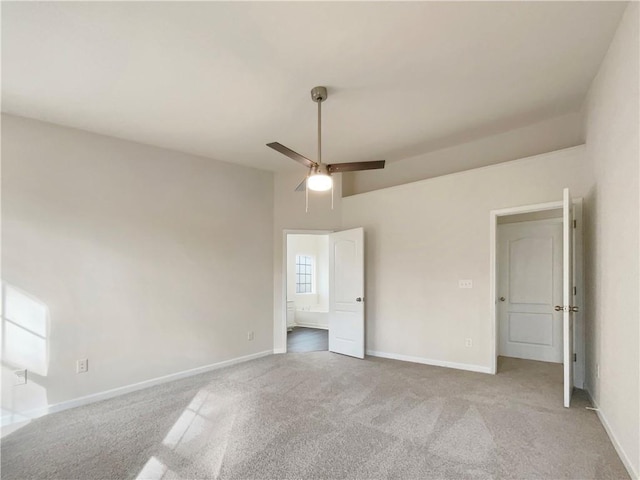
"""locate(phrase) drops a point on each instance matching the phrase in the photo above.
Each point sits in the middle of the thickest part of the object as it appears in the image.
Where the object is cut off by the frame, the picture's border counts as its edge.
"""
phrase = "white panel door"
(567, 294)
(529, 286)
(346, 292)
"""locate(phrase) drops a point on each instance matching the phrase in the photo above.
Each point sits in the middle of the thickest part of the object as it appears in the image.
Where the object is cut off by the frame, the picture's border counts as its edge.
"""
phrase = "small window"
(304, 274)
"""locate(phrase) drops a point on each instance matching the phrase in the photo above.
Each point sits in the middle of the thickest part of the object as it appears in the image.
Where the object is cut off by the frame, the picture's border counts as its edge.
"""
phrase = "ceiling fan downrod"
(318, 171)
(319, 95)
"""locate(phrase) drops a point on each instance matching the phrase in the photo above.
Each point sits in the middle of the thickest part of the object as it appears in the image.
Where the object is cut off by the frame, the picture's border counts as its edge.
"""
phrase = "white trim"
(277, 351)
(12, 427)
(533, 222)
(537, 207)
(429, 361)
(115, 392)
(607, 427)
(493, 276)
(312, 325)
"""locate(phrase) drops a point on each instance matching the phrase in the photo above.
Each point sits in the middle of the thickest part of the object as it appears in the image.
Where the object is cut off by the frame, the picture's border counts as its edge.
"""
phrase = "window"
(304, 274)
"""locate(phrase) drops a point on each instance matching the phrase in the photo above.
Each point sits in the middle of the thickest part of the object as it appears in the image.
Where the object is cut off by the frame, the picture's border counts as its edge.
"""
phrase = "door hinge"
(575, 291)
(575, 224)
(575, 357)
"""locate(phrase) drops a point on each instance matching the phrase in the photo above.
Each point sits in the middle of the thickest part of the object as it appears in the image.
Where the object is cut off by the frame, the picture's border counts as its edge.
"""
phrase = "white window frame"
(312, 274)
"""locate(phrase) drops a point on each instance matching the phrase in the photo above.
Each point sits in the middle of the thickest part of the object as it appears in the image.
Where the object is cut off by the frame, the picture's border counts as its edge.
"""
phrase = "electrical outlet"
(468, 342)
(20, 377)
(465, 283)
(250, 335)
(82, 366)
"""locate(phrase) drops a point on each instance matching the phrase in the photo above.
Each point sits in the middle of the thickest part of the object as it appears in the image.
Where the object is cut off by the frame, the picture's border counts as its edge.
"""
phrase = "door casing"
(579, 347)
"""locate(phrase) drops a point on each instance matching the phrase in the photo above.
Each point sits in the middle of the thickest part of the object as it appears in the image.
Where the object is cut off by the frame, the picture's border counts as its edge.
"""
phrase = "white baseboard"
(428, 361)
(607, 427)
(12, 427)
(279, 350)
(96, 397)
(312, 325)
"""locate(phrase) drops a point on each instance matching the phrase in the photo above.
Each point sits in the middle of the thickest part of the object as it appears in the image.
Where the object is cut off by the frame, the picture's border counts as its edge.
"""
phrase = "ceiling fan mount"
(319, 176)
(319, 94)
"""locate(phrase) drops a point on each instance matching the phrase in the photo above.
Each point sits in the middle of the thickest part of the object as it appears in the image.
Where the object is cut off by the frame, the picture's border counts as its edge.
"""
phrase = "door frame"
(579, 347)
(282, 324)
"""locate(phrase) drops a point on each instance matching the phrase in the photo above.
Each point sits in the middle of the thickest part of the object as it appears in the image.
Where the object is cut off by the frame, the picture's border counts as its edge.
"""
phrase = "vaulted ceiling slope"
(222, 79)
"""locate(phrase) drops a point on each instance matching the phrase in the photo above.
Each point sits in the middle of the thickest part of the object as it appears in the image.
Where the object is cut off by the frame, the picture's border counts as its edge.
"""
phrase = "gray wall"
(611, 240)
(425, 236)
(141, 259)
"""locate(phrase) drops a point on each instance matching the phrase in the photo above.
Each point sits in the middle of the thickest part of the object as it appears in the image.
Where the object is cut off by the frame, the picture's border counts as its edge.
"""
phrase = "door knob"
(359, 299)
(570, 308)
(502, 299)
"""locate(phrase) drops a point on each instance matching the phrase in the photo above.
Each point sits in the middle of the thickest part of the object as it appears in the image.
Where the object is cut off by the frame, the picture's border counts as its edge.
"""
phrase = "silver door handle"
(359, 299)
(564, 308)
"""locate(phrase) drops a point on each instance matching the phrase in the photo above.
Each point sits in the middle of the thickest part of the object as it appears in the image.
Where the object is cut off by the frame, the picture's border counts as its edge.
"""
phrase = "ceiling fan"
(319, 176)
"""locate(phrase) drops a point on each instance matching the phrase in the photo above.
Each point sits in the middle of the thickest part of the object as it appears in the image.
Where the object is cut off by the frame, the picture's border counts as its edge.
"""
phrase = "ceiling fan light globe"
(319, 182)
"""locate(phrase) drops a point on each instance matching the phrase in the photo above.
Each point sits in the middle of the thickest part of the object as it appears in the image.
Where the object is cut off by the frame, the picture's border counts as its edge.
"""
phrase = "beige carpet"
(321, 415)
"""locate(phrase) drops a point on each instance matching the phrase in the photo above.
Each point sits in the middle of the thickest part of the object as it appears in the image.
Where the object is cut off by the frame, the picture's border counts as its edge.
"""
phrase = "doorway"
(305, 283)
(529, 282)
(307, 292)
(531, 327)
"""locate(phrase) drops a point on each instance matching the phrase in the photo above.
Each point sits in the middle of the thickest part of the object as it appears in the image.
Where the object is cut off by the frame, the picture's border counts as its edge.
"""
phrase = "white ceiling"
(223, 79)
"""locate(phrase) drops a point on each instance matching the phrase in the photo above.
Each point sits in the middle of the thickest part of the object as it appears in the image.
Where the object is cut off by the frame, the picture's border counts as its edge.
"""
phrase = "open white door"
(567, 295)
(346, 287)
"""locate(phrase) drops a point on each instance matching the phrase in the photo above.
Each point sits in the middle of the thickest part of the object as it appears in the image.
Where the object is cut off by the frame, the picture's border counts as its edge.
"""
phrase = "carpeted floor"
(322, 415)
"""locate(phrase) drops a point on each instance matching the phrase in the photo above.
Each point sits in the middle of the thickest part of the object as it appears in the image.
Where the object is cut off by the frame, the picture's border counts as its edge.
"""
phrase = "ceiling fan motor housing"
(321, 169)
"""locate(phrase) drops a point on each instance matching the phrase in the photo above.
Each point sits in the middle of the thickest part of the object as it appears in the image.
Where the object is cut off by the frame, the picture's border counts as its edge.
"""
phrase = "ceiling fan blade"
(355, 166)
(291, 154)
(303, 185)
